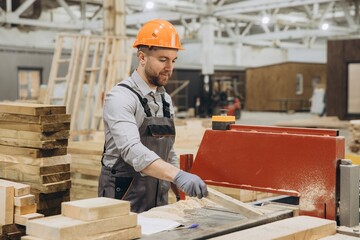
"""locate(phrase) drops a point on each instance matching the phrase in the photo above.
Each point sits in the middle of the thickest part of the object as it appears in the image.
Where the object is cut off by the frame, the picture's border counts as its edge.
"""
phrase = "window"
(29, 80)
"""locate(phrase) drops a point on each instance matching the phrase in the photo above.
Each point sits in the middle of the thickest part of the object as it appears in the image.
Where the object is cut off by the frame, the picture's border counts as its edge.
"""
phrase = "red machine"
(297, 162)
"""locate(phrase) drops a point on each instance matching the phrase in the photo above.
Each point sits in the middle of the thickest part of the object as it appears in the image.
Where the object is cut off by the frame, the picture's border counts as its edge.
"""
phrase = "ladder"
(92, 67)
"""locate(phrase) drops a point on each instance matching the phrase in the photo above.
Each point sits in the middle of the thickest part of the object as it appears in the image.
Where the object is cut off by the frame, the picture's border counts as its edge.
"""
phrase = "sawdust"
(176, 211)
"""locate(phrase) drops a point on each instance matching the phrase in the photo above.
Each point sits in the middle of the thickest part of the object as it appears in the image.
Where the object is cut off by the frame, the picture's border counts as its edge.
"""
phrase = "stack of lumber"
(33, 150)
(354, 131)
(17, 206)
(85, 168)
(95, 218)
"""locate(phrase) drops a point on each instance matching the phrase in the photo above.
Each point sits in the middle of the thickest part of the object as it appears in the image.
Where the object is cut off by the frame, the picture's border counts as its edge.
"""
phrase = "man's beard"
(155, 78)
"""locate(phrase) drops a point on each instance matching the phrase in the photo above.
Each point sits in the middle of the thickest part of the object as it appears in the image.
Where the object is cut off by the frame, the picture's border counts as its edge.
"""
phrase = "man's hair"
(146, 49)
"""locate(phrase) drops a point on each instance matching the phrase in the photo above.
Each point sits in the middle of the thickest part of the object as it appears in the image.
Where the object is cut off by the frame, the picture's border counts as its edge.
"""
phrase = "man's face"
(159, 66)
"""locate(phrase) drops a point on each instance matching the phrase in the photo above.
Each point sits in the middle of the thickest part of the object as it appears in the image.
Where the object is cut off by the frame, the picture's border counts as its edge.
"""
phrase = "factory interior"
(179, 119)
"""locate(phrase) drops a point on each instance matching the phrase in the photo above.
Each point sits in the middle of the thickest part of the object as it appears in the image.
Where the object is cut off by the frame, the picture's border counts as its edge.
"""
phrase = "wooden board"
(22, 219)
(6, 204)
(233, 204)
(35, 136)
(296, 228)
(25, 200)
(95, 208)
(15, 175)
(93, 148)
(60, 227)
(35, 170)
(20, 118)
(41, 161)
(50, 144)
(19, 188)
(51, 187)
(27, 209)
(125, 234)
(31, 108)
(33, 127)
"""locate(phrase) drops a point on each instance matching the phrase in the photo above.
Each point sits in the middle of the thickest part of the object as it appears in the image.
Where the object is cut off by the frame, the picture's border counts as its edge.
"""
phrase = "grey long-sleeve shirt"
(123, 115)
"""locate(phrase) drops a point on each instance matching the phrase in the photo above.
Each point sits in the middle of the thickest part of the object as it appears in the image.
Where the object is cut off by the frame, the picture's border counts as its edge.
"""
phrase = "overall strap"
(143, 101)
(166, 107)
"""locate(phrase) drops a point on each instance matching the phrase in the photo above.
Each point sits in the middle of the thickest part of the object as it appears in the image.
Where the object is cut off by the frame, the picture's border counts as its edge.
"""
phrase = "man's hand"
(191, 184)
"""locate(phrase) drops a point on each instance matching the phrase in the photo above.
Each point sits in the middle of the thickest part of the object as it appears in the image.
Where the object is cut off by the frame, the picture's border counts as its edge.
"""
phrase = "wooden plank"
(27, 209)
(92, 148)
(6, 204)
(37, 136)
(51, 187)
(19, 188)
(95, 208)
(301, 227)
(60, 227)
(9, 232)
(22, 219)
(20, 118)
(129, 233)
(50, 144)
(44, 157)
(35, 170)
(34, 127)
(233, 204)
(16, 175)
(31, 108)
(25, 200)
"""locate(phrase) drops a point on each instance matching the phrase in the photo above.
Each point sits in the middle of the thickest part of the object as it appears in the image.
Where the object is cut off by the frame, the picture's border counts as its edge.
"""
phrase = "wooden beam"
(233, 204)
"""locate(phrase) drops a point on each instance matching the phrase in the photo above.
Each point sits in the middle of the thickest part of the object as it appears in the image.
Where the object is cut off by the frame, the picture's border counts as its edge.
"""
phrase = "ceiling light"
(265, 20)
(325, 26)
(149, 5)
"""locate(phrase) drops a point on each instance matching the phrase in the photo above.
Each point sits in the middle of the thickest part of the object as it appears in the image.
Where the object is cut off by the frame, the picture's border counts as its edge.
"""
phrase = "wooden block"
(34, 161)
(25, 209)
(95, 208)
(34, 127)
(49, 144)
(35, 136)
(35, 170)
(233, 204)
(19, 188)
(31, 108)
(61, 227)
(301, 227)
(52, 187)
(22, 219)
(25, 200)
(129, 233)
(6, 204)
(21, 118)
(9, 232)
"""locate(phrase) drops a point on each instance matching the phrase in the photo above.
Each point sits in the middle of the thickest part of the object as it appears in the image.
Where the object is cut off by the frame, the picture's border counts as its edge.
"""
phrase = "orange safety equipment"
(158, 33)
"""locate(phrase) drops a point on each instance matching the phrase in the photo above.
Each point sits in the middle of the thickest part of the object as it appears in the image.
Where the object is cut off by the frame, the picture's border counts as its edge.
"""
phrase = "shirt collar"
(142, 85)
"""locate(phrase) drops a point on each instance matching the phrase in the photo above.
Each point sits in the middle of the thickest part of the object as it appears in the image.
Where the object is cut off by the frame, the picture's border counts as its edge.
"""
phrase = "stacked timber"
(354, 130)
(33, 150)
(95, 218)
(85, 168)
(17, 206)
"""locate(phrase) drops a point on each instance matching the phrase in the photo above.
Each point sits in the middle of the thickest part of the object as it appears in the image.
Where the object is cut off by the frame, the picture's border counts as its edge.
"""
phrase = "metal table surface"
(215, 222)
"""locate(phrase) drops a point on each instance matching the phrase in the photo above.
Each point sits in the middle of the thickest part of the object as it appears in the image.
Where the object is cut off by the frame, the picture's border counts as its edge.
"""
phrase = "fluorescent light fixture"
(149, 5)
(265, 20)
(325, 26)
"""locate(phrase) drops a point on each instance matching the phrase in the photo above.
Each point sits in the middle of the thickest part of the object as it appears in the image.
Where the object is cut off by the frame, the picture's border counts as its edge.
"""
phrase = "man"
(139, 161)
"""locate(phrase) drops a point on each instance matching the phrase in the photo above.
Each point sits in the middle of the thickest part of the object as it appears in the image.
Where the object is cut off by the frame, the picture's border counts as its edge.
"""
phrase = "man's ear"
(141, 57)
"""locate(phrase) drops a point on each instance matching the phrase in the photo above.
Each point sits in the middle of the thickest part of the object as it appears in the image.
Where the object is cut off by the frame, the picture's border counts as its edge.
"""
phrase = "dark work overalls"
(123, 182)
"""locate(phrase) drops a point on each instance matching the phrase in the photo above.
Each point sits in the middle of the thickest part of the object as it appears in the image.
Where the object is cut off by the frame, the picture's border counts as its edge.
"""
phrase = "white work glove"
(191, 184)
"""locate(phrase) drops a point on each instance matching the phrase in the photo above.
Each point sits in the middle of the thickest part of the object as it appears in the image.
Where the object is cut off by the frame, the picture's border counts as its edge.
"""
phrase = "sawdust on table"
(176, 211)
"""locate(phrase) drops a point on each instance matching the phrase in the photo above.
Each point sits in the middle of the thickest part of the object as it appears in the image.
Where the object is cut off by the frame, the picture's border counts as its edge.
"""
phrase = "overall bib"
(123, 182)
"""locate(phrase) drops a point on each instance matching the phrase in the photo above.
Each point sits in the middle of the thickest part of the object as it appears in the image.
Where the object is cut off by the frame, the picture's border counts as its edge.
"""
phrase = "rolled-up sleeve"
(119, 115)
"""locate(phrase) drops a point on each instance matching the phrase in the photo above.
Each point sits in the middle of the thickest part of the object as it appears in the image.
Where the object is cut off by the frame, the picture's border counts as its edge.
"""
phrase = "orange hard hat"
(158, 33)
